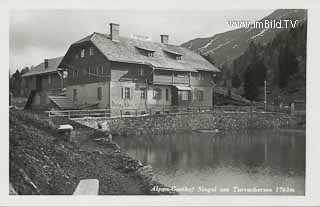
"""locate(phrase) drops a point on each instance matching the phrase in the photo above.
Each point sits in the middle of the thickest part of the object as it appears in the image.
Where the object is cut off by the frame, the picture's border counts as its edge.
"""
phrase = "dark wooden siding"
(81, 65)
(130, 72)
(43, 82)
(173, 77)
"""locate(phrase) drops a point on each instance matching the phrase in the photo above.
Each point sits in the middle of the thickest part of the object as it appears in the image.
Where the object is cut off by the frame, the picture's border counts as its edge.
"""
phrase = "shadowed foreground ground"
(42, 161)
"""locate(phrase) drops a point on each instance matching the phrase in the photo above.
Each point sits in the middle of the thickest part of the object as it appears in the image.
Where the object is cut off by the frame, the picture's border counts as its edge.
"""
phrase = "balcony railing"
(170, 79)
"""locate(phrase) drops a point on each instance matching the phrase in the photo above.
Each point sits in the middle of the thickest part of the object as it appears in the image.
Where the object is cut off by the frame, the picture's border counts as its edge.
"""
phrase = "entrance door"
(38, 83)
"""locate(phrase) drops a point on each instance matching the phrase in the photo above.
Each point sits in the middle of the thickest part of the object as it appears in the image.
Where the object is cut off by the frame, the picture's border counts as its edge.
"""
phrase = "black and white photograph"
(159, 103)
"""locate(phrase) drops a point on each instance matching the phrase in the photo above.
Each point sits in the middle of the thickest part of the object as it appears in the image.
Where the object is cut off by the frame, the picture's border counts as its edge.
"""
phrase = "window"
(87, 72)
(93, 71)
(75, 73)
(178, 57)
(197, 76)
(82, 53)
(75, 94)
(150, 54)
(181, 74)
(157, 93)
(167, 94)
(184, 95)
(65, 74)
(200, 95)
(100, 70)
(143, 93)
(126, 93)
(91, 51)
(201, 76)
(141, 72)
(99, 93)
(49, 79)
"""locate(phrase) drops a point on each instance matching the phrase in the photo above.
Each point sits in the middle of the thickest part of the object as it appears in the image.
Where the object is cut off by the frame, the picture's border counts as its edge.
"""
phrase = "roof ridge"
(125, 50)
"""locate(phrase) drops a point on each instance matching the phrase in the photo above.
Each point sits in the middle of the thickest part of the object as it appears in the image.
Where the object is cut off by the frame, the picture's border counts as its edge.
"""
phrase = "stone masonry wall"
(186, 122)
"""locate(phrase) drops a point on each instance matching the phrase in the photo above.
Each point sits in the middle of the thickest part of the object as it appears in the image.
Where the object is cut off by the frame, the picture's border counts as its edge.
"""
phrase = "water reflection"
(248, 158)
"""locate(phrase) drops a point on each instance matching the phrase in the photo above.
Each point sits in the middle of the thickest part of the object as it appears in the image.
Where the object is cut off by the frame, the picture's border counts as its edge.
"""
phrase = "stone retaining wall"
(185, 122)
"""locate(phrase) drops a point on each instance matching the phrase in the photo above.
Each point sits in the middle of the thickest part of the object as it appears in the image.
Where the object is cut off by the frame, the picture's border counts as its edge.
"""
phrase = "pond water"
(246, 162)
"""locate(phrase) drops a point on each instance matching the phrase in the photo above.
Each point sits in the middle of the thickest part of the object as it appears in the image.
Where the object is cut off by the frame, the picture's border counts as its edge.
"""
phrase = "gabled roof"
(126, 50)
(39, 69)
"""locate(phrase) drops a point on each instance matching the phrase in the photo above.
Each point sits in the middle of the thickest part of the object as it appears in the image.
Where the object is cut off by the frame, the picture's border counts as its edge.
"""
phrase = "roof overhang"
(31, 73)
(183, 88)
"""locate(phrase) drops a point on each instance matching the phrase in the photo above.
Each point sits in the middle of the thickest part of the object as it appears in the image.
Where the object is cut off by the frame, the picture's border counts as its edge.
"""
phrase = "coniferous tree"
(288, 65)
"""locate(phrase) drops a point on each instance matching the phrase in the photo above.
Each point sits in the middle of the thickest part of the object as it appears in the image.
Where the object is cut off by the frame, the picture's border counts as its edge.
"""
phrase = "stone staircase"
(63, 102)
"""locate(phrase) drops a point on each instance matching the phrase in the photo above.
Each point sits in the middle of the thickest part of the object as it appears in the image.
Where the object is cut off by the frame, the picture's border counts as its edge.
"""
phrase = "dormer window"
(146, 51)
(82, 53)
(150, 54)
(173, 54)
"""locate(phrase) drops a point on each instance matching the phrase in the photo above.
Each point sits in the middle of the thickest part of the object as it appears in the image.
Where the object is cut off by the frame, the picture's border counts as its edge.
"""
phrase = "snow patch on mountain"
(208, 44)
(219, 46)
(259, 34)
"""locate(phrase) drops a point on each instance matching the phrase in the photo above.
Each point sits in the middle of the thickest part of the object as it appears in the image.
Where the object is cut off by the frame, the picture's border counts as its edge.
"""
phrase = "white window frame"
(91, 51)
(126, 93)
(184, 95)
(143, 94)
(157, 94)
(141, 72)
(49, 79)
(200, 95)
(82, 53)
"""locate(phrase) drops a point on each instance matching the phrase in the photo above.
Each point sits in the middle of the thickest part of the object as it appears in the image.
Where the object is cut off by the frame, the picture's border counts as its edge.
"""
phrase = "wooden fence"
(166, 110)
(80, 113)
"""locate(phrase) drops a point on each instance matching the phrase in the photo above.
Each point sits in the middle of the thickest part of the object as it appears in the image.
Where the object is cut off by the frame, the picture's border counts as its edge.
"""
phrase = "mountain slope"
(227, 46)
(282, 63)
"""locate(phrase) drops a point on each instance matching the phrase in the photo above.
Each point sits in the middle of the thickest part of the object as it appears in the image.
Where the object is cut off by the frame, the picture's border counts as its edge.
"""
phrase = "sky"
(42, 34)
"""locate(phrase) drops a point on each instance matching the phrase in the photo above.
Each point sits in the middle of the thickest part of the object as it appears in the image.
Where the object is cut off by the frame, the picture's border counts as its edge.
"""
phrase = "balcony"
(170, 80)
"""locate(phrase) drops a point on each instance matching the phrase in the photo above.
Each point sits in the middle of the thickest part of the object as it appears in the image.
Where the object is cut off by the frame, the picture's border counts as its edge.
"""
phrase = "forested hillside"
(224, 47)
(282, 63)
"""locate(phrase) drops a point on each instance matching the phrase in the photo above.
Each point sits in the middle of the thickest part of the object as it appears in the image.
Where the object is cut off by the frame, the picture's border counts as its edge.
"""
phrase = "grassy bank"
(45, 162)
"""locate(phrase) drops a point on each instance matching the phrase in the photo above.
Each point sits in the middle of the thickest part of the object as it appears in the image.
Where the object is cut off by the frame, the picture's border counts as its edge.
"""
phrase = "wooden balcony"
(170, 80)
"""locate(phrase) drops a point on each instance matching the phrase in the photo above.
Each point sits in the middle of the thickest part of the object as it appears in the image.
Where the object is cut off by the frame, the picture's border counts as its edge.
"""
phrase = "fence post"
(69, 114)
(136, 112)
(120, 112)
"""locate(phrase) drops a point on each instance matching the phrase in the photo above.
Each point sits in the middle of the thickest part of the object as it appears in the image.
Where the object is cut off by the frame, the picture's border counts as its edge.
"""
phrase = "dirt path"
(42, 161)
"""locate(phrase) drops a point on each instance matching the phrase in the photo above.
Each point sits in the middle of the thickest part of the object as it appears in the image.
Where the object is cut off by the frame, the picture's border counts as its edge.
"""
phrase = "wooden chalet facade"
(43, 81)
(110, 71)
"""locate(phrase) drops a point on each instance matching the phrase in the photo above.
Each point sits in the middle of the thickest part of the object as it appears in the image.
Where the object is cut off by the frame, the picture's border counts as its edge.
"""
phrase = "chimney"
(46, 63)
(164, 39)
(114, 32)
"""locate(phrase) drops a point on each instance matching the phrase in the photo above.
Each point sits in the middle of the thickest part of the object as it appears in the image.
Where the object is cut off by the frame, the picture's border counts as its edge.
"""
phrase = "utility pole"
(265, 95)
